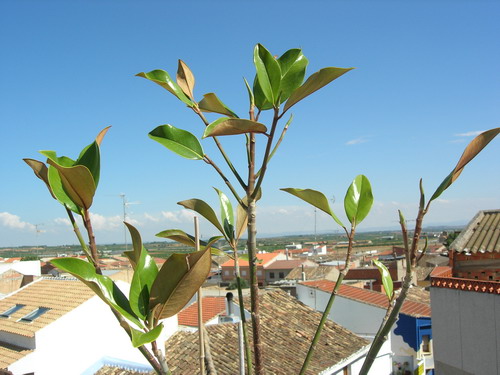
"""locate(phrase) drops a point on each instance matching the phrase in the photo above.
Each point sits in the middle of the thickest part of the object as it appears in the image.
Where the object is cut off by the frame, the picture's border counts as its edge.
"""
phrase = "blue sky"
(427, 78)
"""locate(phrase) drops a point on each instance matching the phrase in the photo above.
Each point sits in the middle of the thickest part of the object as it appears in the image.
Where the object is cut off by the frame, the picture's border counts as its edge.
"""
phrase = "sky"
(426, 82)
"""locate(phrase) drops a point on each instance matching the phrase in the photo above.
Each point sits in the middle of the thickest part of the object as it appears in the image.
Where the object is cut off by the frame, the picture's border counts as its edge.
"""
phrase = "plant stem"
(252, 249)
(224, 178)
(221, 149)
(158, 366)
(78, 234)
(329, 305)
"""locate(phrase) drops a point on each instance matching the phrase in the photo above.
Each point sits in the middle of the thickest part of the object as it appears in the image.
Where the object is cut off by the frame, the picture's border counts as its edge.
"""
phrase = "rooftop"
(59, 296)
(287, 328)
(263, 257)
(410, 306)
(482, 234)
(285, 264)
(212, 307)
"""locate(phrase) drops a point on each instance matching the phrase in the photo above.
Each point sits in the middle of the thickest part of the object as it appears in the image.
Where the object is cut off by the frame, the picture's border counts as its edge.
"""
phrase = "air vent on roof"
(12, 310)
(34, 314)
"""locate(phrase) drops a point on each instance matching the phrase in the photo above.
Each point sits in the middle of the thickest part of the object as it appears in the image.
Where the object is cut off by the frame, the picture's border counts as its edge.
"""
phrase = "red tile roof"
(264, 257)
(370, 297)
(285, 264)
(212, 307)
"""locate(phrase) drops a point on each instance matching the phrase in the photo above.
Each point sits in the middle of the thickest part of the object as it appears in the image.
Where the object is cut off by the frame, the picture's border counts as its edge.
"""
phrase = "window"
(12, 310)
(243, 273)
(226, 273)
(282, 275)
(259, 273)
(426, 343)
(271, 275)
(34, 314)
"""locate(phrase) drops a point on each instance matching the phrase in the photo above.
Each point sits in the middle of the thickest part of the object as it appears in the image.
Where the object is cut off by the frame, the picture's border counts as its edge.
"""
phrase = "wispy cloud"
(469, 134)
(182, 216)
(356, 141)
(13, 221)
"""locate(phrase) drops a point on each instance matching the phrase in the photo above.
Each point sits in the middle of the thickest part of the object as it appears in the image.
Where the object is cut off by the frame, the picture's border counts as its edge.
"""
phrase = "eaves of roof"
(482, 234)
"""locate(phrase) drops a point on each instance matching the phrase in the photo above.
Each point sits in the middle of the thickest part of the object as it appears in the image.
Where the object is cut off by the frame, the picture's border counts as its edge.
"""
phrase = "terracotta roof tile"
(412, 308)
(287, 327)
(212, 307)
(58, 295)
(284, 264)
(10, 354)
(264, 257)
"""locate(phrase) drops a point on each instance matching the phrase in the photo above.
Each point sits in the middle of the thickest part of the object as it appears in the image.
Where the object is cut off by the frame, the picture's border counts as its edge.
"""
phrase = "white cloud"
(469, 134)
(100, 222)
(356, 141)
(62, 221)
(151, 218)
(182, 216)
(13, 221)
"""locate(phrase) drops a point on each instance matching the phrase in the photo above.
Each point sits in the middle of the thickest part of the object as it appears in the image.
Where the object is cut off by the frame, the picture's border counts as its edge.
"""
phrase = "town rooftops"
(313, 273)
(212, 307)
(284, 264)
(482, 234)
(10, 354)
(263, 257)
(287, 327)
(40, 303)
(411, 308)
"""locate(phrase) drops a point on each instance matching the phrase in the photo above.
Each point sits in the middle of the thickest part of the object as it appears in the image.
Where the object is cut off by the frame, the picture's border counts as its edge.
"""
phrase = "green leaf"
(162, 78)
(204, 210)
(178, 280)
(314, 83)
(78, 184)
(358, 200)
(90, 157)
(211, 103)
(232, 126)
(101, 135)
(268, 73)
(140, 338)
(226, 214)
(241, 220)
(185, 79)
(186, 239)
(41, 171)
(260, 99)
(386, 279)
(57, 188)
(293, 65)
(180, 141)
(315, 198)
(145, 271)
(470, 152)
(102, 285)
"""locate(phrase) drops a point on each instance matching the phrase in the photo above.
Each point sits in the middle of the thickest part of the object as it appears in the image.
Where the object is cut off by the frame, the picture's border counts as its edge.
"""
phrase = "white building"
(59, 326)
(361, 311)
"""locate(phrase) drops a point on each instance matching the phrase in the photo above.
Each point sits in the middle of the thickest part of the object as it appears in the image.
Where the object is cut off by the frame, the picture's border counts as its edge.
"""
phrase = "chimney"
(303, 273)
(229, 304)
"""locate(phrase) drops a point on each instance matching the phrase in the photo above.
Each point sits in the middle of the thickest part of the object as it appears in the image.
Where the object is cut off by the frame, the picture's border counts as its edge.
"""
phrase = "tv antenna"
(126, 203)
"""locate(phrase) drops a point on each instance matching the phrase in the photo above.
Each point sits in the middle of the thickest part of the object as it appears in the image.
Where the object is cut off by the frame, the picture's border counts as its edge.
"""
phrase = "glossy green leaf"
(41, 171)
(358, 200)
(140, 338)
(163, 79)
(386, 279)
(315, 198)
(211, 103)
(186, 239)
(233, 126)
(422, 196)
(180, 141)
(268, 73)
(241, 220)
(57, 188)
(470, 152)
(145, 271)
(78, 184)
(178, 280)
(185, 79)
(204, 210)
(102, 285)
(293, 66)
(227, 215)
(90, 157)
(259, 97)
(314, 83)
